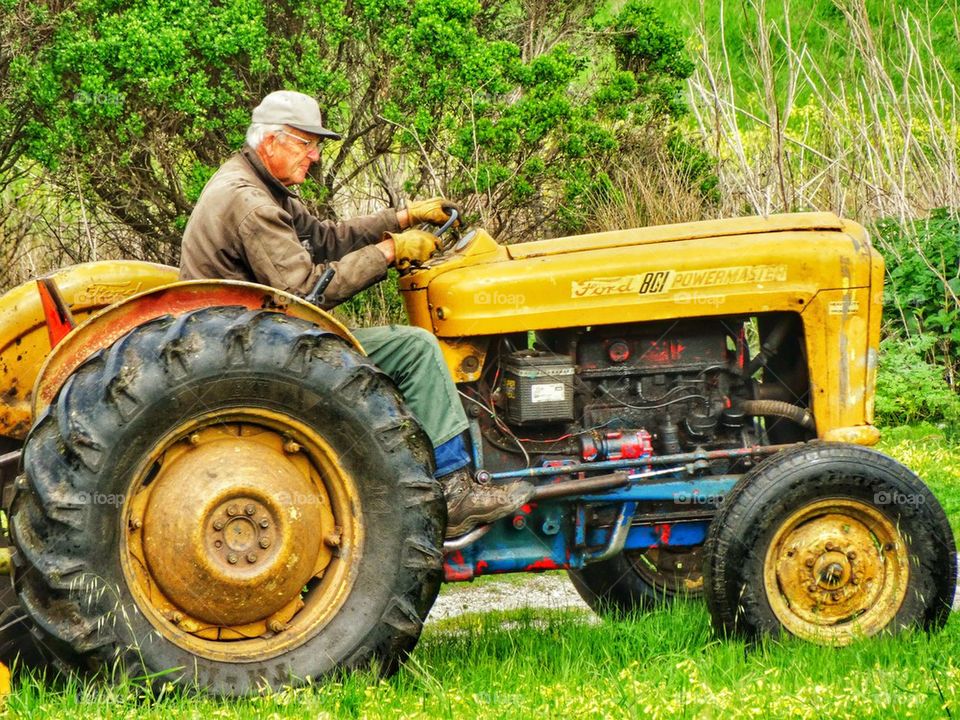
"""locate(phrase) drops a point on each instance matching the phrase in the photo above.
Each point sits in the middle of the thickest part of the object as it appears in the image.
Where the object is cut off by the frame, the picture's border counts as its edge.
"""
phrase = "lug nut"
(218, 524)
(136, 524)
(264, 523)
(218, 543)
(812, 588)
(810, 563)
(830, 547)
(195, 439)
(291, 447)
(176, 617)
(251, 557)
(232, 510)
(855, 581)
(232, 558)
(835, 596)
(851, 555)
(250, 509)
(264, 543)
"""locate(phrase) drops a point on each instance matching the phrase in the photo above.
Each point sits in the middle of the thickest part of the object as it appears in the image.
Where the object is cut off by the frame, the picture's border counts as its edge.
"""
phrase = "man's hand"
(435, 211)
(412, 248)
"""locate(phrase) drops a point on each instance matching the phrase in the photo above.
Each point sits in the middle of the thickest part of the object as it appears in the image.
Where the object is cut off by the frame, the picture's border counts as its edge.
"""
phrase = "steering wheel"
(449, 241)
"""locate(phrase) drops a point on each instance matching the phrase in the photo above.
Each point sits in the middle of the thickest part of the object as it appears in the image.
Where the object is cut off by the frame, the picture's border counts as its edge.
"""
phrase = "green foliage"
(923, 264)
(654, 52)
(923, 269)
(141, 101)
(377, 305)
(818, 30)
(909, 388)
(920, 356)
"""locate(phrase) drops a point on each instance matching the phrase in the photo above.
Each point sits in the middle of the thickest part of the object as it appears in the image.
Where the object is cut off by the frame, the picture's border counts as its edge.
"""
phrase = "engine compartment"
(630, 390)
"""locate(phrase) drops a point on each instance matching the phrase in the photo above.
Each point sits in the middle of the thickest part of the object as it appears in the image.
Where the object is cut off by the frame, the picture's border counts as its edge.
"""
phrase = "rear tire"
(638, 580)
(829, 542)
(108, 439)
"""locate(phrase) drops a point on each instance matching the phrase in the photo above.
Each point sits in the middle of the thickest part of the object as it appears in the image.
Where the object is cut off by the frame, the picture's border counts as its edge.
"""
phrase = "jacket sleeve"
(275, 256)
(328, 240)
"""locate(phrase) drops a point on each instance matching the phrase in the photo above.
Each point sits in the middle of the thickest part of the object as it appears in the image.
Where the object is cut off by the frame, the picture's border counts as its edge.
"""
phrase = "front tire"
(829, 542)
(231, 500)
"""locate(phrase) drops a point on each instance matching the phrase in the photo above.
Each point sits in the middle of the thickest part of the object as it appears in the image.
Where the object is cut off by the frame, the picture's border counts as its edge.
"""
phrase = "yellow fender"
(109, 325)
(24, 343)
(107, 300)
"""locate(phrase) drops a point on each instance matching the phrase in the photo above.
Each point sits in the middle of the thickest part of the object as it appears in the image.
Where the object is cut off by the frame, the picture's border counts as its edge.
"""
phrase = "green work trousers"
(412, 359)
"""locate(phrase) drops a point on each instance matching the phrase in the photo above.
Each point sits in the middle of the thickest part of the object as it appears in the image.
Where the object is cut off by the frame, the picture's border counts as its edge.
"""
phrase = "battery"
(538, 387)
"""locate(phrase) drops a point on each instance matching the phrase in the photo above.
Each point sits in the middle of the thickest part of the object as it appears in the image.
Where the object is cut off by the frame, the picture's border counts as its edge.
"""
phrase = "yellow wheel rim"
(243, 535)
(836, 569)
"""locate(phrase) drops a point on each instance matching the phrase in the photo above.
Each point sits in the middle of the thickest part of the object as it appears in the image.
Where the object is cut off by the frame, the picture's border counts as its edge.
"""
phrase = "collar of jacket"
(275, 186)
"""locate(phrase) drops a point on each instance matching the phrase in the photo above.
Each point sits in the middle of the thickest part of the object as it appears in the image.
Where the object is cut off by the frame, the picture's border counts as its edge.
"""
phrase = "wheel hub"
(232, 531)
(834, 568)
(246, 533)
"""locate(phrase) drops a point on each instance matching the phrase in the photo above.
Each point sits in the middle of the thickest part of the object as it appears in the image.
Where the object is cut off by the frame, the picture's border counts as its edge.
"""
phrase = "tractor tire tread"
(73, 608)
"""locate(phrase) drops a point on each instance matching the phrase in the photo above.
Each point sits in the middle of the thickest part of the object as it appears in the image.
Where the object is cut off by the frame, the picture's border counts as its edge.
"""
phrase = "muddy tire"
(638, 580)
(829, 542)
(109, 498)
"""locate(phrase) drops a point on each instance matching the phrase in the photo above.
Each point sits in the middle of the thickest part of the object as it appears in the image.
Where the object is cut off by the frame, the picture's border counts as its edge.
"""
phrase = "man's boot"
(470, 504)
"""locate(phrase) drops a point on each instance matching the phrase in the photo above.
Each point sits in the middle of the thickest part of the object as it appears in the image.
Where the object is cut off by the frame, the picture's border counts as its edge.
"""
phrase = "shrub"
(911, 389)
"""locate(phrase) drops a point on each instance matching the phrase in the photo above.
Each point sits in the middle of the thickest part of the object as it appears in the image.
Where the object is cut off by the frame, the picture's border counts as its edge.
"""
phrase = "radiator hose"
(778, 408)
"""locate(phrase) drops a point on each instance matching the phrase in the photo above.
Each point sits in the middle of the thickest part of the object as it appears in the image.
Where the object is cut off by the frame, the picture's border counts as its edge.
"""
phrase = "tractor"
(207, 483)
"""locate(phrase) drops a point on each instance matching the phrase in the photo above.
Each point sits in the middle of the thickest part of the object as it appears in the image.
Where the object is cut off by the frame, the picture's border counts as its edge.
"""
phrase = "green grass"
(818, 27)
(551, 663)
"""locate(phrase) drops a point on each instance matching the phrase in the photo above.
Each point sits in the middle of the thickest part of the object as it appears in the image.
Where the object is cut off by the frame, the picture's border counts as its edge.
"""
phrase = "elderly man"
(249, 224)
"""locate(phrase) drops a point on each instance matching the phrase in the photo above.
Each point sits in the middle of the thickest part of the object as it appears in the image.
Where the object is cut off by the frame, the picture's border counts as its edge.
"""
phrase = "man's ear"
(268, 144)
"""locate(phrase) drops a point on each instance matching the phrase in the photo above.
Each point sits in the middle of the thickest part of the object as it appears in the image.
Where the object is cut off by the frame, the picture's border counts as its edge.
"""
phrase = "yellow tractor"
(207, 483)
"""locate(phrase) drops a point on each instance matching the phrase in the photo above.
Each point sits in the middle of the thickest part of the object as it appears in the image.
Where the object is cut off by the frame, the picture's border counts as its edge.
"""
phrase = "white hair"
(258, 131)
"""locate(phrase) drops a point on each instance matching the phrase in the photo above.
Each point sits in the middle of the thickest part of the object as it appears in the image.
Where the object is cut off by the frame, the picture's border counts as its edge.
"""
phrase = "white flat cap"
(286, 107)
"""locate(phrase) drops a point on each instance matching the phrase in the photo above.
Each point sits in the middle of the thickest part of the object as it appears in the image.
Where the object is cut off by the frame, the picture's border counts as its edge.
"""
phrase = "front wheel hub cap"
(232, 531)
(836, 569)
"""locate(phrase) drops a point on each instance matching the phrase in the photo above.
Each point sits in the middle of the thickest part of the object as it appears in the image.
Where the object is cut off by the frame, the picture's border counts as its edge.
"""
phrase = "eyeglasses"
(306, 145)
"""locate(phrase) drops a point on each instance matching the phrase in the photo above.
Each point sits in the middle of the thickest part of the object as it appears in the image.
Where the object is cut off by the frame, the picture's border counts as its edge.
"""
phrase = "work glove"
(435, 211)
(412, 248)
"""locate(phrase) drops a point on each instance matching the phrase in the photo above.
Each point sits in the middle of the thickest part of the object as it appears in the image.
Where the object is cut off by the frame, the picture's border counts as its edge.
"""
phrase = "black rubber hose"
(801, 416)
(769, 347)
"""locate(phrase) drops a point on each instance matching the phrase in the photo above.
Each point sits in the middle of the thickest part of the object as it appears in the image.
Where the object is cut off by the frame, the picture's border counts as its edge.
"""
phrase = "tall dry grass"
(879, 140)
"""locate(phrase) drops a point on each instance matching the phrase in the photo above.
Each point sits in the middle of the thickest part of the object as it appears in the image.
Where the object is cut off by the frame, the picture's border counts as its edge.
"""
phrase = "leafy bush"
(923, 282)
(510, 106)
(911, 389)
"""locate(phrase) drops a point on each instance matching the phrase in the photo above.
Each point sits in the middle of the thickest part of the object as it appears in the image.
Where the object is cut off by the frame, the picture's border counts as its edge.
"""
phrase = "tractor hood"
(718, 267)
(676, 233)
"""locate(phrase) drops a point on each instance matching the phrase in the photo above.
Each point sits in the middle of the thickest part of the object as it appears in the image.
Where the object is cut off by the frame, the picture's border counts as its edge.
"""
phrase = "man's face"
(289, 154)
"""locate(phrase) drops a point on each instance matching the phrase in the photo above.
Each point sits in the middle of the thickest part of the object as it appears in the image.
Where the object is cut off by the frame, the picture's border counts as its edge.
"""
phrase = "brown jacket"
(248, 226)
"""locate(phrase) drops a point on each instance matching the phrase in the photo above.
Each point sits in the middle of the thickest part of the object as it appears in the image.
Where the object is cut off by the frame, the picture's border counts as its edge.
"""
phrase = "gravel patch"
(540, 591)
(546, 591)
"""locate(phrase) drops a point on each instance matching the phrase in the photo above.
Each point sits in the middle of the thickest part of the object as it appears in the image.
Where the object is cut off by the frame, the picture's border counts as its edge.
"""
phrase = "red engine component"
(616, 445)
(618, 351)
